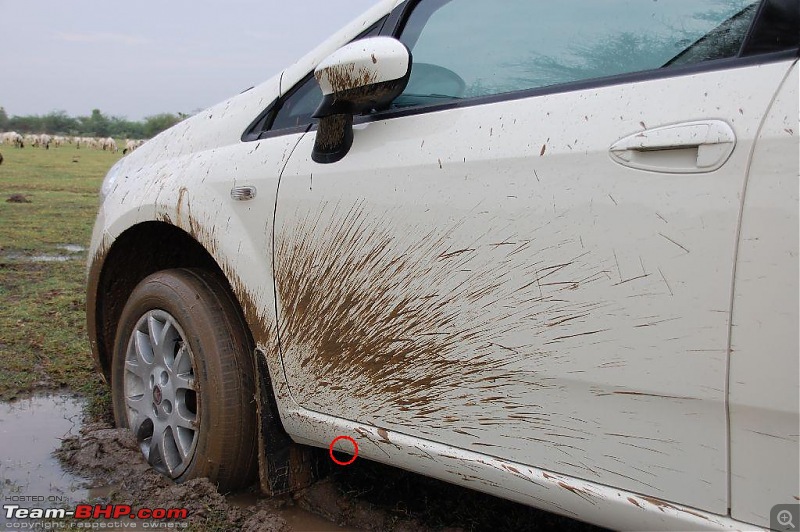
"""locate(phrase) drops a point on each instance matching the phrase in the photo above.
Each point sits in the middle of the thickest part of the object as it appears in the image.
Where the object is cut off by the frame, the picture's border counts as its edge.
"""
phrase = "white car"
(549, 252)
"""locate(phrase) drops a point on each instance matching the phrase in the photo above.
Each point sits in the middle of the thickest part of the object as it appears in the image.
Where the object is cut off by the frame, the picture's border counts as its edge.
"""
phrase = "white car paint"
(585, 306)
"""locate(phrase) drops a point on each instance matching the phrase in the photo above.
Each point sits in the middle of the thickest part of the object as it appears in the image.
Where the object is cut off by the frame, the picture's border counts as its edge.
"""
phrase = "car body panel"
(764, 393)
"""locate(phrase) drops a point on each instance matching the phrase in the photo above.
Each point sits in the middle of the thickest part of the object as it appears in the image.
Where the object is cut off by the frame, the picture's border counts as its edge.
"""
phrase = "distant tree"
(153, 125)
(59, 123)
(124, 128)
(97, 125)
(25, 124)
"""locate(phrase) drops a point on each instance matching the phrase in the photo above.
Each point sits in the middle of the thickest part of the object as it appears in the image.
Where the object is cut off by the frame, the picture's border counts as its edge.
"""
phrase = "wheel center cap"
(158, 396)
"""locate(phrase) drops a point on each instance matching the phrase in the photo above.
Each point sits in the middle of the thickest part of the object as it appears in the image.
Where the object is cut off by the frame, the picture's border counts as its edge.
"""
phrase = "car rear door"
(536, 265)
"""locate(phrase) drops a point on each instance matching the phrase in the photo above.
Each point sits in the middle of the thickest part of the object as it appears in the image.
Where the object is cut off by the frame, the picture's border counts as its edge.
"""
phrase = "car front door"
(530, 255)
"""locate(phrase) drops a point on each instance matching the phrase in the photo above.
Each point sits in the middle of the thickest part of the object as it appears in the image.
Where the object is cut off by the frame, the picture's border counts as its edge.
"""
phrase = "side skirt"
(572, 497)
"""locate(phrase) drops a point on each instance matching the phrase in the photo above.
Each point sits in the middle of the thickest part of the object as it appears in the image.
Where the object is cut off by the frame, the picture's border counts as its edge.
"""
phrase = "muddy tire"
(182, 379)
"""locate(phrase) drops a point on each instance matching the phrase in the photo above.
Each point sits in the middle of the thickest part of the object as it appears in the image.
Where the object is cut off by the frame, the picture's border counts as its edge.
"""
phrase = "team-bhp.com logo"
(156, 516)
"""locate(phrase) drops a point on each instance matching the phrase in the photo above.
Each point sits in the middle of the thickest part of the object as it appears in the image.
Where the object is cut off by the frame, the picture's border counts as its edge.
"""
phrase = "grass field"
(43, 342)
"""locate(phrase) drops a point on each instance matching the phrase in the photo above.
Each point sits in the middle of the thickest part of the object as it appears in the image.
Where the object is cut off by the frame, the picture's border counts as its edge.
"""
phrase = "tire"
(182, 379)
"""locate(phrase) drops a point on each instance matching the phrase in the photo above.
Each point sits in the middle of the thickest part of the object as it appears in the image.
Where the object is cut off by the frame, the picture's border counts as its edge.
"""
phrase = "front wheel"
(182, 378)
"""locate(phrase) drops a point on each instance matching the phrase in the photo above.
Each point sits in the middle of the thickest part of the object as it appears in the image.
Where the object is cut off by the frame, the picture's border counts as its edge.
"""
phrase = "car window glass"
(724, 41)
(471, 48)
(298, 107)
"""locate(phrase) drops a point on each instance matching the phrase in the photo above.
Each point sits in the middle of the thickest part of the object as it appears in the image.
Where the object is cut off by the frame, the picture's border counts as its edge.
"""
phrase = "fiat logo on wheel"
(157, 395)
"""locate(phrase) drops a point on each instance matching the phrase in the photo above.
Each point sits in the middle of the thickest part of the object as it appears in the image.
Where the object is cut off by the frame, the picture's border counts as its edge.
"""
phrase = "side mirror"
(364, 75)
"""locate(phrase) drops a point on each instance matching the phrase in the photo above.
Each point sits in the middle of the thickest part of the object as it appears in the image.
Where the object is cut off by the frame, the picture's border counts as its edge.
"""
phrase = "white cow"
(89, 142)
(109, 144)
(131, 144)
(12, 138)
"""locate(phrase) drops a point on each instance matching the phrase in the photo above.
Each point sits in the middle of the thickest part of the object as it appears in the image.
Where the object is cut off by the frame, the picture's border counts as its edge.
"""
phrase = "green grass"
(43, 342)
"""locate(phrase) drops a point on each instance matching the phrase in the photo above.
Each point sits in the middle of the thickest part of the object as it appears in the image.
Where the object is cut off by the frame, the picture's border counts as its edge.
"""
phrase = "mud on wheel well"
(153, 246)
(138, 252)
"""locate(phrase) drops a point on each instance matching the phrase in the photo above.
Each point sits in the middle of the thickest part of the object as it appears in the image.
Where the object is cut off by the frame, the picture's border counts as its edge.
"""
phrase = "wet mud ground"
(48, 449)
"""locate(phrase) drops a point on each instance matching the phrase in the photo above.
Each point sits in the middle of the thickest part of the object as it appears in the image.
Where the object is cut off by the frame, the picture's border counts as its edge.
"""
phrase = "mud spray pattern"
(406, 321)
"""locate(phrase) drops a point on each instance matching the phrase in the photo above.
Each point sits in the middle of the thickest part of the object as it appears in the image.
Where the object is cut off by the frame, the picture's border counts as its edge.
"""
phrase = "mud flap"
(283, 466)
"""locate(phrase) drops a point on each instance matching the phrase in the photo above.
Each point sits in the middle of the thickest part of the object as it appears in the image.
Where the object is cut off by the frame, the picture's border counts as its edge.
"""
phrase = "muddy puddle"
(71, 248)
(51, 459)
(60, 253)
(30, 430)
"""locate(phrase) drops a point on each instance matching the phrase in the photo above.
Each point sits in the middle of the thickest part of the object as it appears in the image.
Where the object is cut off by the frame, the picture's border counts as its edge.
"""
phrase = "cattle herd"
(12, 138)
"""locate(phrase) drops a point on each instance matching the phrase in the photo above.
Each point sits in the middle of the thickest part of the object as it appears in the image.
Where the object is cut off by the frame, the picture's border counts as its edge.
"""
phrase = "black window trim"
(397, 19)
(749, 35)
(255, 129)
(762, 23)
(275, 108)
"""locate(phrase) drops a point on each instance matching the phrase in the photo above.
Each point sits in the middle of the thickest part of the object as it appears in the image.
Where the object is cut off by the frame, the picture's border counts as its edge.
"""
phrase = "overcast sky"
(144, 57)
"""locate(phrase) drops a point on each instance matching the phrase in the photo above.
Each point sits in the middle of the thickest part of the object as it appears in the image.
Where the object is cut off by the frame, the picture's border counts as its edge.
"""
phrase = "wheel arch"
(139, 251)
(151, 246)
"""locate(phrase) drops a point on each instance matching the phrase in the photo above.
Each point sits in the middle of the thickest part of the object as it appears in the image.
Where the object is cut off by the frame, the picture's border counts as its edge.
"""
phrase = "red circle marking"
(355, 446)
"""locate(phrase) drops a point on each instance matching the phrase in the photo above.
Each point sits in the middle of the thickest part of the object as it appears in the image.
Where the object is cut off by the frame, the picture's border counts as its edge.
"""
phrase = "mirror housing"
(357, 78)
